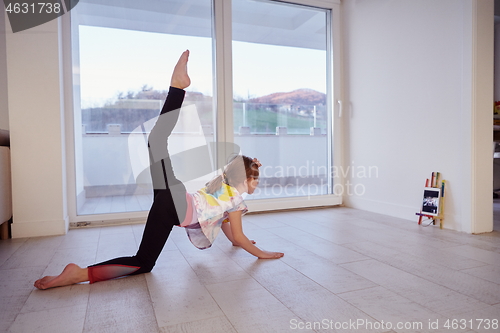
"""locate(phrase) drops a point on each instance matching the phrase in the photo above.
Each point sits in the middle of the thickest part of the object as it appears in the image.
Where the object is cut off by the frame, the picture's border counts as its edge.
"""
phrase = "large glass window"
(281, 110)
(280, 95)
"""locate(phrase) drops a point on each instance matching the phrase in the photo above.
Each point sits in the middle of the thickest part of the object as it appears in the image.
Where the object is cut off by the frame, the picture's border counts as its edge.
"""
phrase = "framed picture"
(431, 202)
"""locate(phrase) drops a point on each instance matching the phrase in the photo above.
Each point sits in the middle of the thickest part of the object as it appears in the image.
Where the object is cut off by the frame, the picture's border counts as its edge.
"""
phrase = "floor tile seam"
(305, 275)
(339, 264)
(422, 304)
(484, 236)
(44, 248)
(466, 315)
(225, 280)
(282, 303)
(300, 218)
(78, 246)
(243, 268)
(116, 234)
(95, 205)
(87, 308)
(438, 233)
(97, 247)
(464, 270)
(479, 262)
(360, 289)
(308, 278)
(334, 229)
(438, 246)
(309, 220)
(410, 301)
(12, 254)
(269, 291)
(33, 266)
(88, 211)
(198, 278)
(416, 225)
(11, 244)
(460, 242)
(89, 305)
(219, 306)
(19, 312)
(444, 285)
(150, 302)
(329, 241)
(436, 281)
(379, 261)
(152, 307)
(424, 258)
(495, 251)
(360, 310)
(475, 247)
(326, 239)
(368, 257)
(412, 257)
(201, 320)
(392, 225)
(483, 262)
(389, 263)
(52, 308)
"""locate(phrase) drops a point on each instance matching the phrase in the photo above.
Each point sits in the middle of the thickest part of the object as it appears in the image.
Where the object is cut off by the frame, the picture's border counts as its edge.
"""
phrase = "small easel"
(434, 183)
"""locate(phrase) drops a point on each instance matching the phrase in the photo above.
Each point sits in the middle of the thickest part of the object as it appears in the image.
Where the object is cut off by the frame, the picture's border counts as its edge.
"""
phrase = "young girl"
(203, 214)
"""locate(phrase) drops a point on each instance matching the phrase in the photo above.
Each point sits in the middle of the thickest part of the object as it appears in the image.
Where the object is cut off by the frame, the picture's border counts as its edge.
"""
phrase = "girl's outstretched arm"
(242, 240)
(226, 228)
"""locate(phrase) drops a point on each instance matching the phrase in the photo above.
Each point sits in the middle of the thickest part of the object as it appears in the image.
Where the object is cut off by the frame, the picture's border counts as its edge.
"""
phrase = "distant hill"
(131, 109)
(296, 97)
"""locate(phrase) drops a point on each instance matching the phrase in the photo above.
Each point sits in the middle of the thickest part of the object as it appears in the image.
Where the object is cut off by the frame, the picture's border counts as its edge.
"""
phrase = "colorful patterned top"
(209, 212)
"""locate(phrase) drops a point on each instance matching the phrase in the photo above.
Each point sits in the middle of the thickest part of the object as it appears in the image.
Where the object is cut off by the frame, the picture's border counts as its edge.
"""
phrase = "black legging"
(169, 202)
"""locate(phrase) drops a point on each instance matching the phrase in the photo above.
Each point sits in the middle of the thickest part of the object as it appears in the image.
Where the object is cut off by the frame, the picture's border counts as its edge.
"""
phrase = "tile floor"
(116, 204)
(496, 214)
(344, 270)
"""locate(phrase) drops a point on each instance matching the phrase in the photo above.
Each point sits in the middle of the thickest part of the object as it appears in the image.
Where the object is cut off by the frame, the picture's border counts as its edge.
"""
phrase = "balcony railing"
(273, 133)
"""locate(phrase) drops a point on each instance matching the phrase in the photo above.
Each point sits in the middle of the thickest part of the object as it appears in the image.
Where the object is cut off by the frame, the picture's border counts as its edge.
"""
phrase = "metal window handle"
(340, 108)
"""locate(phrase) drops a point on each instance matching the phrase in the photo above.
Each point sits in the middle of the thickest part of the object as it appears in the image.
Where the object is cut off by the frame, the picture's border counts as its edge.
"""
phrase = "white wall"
(412, 85)
(497, 58)
(4, 111)
(36, 121)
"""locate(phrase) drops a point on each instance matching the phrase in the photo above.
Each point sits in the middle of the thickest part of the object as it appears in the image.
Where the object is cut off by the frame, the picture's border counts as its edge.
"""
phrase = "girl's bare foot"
(70, 275)
(180, 78)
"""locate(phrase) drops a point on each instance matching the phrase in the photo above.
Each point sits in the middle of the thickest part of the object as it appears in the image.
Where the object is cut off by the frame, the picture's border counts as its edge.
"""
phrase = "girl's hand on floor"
(271, 255)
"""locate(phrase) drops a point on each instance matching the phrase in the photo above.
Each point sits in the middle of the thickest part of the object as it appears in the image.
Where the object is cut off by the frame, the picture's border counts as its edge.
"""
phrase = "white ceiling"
(253, 20)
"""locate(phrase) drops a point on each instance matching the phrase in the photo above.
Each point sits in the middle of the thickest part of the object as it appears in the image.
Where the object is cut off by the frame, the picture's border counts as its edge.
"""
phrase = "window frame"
(223, 99)
(224, 88)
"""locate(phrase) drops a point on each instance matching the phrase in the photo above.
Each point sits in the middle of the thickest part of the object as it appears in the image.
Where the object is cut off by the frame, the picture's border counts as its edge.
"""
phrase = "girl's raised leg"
(160, 220)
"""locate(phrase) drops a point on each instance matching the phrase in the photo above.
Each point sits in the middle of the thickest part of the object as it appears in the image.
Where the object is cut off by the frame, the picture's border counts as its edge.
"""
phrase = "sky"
(115, 60)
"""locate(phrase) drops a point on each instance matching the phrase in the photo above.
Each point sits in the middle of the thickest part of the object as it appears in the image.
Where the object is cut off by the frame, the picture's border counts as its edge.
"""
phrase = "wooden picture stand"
(435, 182)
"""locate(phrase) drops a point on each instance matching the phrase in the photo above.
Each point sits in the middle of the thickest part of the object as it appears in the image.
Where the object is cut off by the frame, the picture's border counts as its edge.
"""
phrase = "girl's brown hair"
(239, 169)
